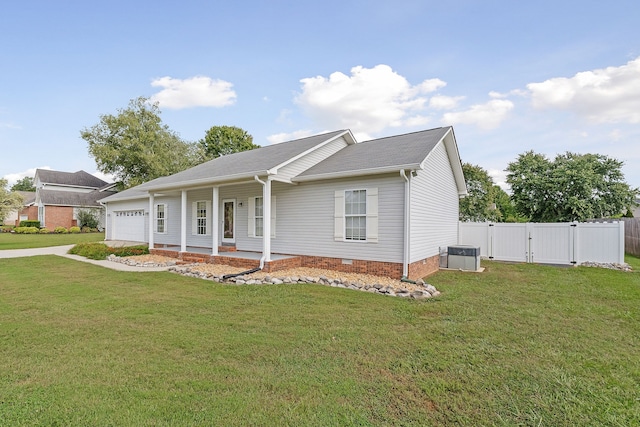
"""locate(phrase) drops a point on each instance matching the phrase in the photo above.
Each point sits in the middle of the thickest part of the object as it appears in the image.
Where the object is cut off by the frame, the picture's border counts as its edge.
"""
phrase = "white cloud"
(282, 137)
(485, 116)
(442, 102)
(9, 126)
(499, 178)
(12, 178)
(367, 101)
(608, 95)
(199, 91)
(105, 177)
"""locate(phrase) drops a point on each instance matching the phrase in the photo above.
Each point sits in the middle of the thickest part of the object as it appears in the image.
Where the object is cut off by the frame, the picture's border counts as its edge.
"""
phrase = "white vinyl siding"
(305, 162)
(313, 228)
(255, 217)
(161, 218)
(115, 220)
(434, 207)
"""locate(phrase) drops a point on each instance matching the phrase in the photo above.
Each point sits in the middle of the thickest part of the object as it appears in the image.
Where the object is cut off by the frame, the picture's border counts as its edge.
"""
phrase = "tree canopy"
(24, 184)
(9, 200)
(223, 140)
(135, 146)
(572, 187)
(485, 201)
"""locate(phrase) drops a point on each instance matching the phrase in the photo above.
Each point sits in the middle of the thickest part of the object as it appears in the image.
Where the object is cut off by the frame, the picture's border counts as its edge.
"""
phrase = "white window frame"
(252, 217)
(370, 216)
(158, 219)
(201, 225)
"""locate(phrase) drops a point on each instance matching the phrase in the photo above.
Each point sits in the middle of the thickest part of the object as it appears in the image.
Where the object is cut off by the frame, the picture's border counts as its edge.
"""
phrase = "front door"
(229, 221)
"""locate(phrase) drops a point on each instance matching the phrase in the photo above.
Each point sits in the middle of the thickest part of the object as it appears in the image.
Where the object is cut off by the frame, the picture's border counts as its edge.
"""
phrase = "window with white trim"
(256, 217)
(201, 218)
(259, 216)
(161, 218)
(356, 215)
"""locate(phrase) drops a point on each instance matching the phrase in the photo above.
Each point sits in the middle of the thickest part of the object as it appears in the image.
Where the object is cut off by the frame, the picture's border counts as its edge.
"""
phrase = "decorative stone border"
(427, 291)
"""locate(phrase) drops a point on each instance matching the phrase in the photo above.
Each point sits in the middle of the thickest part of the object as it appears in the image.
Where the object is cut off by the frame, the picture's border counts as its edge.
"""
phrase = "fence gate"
(546, 243)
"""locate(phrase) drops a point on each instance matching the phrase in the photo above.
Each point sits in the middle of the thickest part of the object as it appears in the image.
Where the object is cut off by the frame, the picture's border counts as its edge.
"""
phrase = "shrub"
(30, 223)
(87, 218)
(100, 251)
(26, 230)
(44, 231)
(74, 230)
(6, 228)
(61, 230)
(86, 229)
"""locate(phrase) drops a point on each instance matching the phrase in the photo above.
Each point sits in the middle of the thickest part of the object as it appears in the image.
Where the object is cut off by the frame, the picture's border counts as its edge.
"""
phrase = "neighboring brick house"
(28, 199)
(60, 195)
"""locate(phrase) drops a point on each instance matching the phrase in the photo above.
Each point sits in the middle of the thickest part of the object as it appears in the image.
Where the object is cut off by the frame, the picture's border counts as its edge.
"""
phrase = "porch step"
(225, 248)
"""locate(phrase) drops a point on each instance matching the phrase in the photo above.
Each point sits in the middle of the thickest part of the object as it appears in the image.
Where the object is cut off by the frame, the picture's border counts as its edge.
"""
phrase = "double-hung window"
(259, 216)
(355, 214)
(161, 218)
(201, 218)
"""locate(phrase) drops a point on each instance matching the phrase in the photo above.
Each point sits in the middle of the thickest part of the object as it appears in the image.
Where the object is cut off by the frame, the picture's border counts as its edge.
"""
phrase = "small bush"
(6, 228)
(86, 229)
(74, 230)
(26, 230)
(44, 231)
(30, 223)
(100, 251)
(61, 230)
(87, 218)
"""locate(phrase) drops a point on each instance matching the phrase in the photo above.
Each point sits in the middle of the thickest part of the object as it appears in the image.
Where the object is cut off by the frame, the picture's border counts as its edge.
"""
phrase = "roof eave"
(360, 172)
(204, 181)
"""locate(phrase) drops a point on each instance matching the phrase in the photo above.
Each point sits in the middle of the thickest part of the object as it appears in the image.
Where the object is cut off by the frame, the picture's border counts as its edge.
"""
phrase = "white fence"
(546, 243)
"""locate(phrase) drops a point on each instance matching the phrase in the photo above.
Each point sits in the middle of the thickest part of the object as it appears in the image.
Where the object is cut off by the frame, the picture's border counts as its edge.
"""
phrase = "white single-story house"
(381, 207)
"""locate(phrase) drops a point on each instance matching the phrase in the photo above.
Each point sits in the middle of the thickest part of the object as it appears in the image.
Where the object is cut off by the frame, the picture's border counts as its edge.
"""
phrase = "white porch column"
(151, 219)
(266, 221)
(215, 224)
(183, 222)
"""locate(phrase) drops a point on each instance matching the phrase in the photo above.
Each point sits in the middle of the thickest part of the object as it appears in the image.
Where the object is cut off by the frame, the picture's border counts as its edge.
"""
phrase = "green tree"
(9, 200)
(135, 146)
(572, 187)
(223, 140)
(25, 184)
(481, 202)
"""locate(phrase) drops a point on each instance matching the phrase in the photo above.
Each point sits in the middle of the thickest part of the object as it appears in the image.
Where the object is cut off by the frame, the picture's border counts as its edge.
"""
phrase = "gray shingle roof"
(247, 162)
(72, 198)
(77, 179)
(379, 154)
(28, 197)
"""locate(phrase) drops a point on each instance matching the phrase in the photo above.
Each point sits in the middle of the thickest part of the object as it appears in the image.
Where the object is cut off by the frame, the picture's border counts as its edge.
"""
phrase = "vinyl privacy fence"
(547, 243)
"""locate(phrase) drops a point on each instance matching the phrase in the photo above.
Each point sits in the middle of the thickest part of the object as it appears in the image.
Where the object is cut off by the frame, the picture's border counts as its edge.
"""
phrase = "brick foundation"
(417, 270)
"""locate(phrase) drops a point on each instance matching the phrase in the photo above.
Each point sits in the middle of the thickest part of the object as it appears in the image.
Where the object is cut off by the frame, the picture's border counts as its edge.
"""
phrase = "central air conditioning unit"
(464, 257)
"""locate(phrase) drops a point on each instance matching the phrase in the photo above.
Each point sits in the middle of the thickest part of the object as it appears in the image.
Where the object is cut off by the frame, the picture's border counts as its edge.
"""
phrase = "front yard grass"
(28, 241)
(519, 344)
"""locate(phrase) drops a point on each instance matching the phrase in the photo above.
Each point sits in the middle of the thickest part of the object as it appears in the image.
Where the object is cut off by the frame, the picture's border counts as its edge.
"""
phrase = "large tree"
(9, 200)
(223, 140)
(481, 203)
(572, 187)
(135, 146)
(24, 184)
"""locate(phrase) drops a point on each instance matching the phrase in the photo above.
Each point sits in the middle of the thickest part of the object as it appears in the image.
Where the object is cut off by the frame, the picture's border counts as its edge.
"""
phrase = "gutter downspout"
(266, 221)
(407, 220)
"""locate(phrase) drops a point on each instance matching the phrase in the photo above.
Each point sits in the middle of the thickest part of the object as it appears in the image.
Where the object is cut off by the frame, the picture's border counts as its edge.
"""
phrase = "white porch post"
(266, 221)
(151, 220)
(183, 222)
(215, 206)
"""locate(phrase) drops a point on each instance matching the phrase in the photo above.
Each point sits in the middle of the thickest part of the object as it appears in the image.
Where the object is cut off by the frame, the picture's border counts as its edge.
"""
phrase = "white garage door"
(128, 225)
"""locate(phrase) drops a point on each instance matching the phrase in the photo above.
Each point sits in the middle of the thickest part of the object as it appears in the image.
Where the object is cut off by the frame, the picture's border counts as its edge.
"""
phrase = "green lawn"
(519, 344)
(25, 241)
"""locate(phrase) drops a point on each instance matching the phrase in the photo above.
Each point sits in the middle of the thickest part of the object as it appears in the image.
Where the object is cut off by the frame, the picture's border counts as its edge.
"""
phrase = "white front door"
(229, 221)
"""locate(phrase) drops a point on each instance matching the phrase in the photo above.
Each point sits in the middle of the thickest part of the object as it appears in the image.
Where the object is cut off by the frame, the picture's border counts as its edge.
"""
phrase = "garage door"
(128, 225)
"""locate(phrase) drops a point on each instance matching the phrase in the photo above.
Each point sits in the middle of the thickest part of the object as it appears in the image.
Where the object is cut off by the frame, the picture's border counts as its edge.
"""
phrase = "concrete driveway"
(62, 251)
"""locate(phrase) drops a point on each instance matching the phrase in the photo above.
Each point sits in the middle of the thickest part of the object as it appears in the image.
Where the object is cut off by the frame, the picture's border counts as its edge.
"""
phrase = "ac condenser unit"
(463, 257)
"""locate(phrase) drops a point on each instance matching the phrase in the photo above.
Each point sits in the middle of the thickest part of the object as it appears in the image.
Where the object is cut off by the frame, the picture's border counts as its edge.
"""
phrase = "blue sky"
(548, 76)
